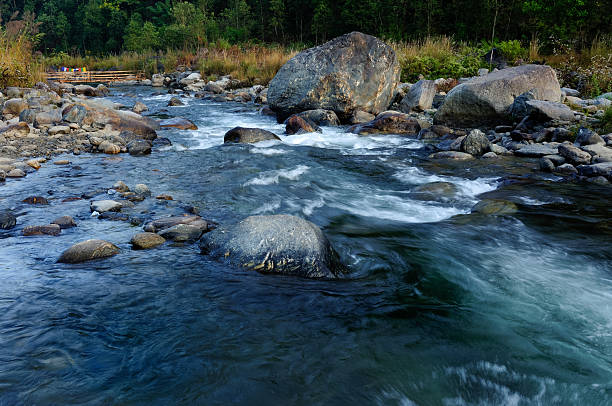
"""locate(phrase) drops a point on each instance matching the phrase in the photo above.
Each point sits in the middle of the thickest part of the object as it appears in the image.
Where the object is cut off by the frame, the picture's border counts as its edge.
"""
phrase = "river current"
(441, 307)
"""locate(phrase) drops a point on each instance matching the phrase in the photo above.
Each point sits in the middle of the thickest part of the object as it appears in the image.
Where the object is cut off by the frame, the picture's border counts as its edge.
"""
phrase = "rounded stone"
(144, 241)
(88, 250)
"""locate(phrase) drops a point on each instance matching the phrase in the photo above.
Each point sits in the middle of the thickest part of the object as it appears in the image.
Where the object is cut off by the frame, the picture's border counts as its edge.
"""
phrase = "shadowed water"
(441, 307)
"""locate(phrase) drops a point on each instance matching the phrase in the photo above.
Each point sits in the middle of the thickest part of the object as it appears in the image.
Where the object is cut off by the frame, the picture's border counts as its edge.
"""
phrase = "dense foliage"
(103, 26)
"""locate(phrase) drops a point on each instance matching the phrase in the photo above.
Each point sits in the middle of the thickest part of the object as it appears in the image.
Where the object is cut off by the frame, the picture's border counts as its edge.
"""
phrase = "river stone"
(420, 96)
(546, 165)
(139, 147)
(495, 207)
(601, 169)
(389, 122)
(28, 116)
(102, 206)
(87, 251)
(14, 107)
(360, 117)
(519, 109)
(588, 137)
(102, 91)
(574, 155)
(278, 244)
(142, 189)
(139, 107)
(175, 101)
(18, 130)
(2, 175)
(435, 190)
(85, 90)
(59, 129)
(120, 186)
(487, 100)
(48, 117)
(167, 222)
(64, 222)
(183, 233)
(16, 173)
(248, 135)
(35, 200)
(298, 125)
(545, 111)
(7, 220)
(109, 148)
(321, 117)
(75, 113)
(50, 229)
(454, 155)
(351, 72)
(178, 122)
(566, 169)
(145, 241)
(599, 152)
(536, 150)
(475, 143)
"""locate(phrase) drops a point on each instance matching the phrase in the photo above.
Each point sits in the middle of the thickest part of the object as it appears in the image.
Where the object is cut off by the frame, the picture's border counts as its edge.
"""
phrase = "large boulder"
(87, 251)
(298, 125)
(279, 244)
(420, 96)
(475, 143)
(487, 100)
(248, 135)
(351, 72)
(14, 107)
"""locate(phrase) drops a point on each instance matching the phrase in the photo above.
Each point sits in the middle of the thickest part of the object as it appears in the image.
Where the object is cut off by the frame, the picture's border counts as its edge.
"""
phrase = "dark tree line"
(102, 26)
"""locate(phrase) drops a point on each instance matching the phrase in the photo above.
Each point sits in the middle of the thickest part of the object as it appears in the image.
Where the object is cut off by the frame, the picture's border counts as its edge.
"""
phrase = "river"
(441, 307)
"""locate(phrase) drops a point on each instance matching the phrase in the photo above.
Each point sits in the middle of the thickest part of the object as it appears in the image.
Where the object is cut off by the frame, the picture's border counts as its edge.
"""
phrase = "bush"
(18, 66)
(606, 120)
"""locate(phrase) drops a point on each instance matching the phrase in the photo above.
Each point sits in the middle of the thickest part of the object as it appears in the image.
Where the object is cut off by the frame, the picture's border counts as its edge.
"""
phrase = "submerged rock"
(389, 122)
(144, 241)
(88, 250)
(178, 122)
(7, 220)
(49, 229)
(64, 222)
(279, 244)
(184, 232)
(351, 72)
(248, 135)
(495, 207)
(298, 125)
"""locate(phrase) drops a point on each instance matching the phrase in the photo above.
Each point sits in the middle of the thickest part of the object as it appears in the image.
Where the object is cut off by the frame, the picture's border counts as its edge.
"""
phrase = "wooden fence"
(95, 76)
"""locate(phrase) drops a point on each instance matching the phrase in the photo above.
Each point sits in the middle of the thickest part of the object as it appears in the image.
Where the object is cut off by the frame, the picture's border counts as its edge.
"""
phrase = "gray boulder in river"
(244, 135)
(487, 100)
(279, 244)
(87, 251)
(351, 72)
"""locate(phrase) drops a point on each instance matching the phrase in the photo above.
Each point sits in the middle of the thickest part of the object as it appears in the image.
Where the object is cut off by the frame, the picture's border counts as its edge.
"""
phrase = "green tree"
(322, 20)
(141, 36)
(277, 17)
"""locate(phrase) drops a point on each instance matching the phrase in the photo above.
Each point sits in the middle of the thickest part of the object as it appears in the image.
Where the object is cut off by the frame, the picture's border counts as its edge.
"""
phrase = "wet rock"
(536, 150)
(546, 165)
(120, 186)
(50, 229)
(566, 169)
(389, 122)
(109, 148)
(419, 97)
(493, 207)
(599, 152)
(142, 189)
(16, 173)
(499, 150)
(475, 143)
(360, 117)
(139, 147)
(320, 117)
(2, 176)
(453, 155)
(555, 159)
(487, 100)
(114, 216)
(213, 88)
(435, 190)
(85, 90)
(175, 101)
(102, 206)
(164, 197)
(601, 169)
(183, 233)
(145, 241)
(157, 80)
(33, 163)
(588, 137)
(7, 220)
(279, 244)
(248, 135)
(489, 155)
(139, 107)
(87, 251)
(574, 154)
(167, 222)
(298, 125)
(102, 91)
(177, 122)
(65, 222)
(35, 200)
(351, 72)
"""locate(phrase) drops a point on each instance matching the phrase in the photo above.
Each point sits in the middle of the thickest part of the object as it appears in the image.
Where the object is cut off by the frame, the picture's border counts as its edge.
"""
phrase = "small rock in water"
(87, 251)
(175, 101)
(109, 148)
(454, 155)
(62, 162)
(50, 229)
(120, 186)
(164, 197)
(167, 222)
(7, 220)
(489, 155)
(139, 147)
(64, 222)
(248, 135)
(179, 123)
(182, 233)
(143, 241)
(139, 107)
(102, 206)
(35, 200)
(298, 125)
(546, 165)
(33, 163)
(475, 143)
(142, 189)
(495, 207)
(16, 173)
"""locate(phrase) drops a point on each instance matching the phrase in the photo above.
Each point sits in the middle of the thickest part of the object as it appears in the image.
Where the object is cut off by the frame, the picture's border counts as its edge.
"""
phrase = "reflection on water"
(441, 307)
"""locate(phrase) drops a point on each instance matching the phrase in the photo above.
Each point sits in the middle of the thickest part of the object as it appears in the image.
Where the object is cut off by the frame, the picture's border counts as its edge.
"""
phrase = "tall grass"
(18, 65)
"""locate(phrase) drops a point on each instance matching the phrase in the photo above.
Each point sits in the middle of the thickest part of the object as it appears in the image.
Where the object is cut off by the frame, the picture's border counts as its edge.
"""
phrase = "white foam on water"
(273, 177)
(268, 207)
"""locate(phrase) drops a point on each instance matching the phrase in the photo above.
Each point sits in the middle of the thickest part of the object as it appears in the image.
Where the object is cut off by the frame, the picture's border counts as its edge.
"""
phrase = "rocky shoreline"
(513, 113)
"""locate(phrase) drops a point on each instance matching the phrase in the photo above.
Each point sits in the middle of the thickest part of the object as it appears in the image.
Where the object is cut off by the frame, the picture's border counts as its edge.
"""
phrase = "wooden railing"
(95, 76)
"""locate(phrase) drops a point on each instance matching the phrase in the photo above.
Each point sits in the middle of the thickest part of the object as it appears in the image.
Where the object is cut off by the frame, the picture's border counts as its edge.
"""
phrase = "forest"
(111, 26)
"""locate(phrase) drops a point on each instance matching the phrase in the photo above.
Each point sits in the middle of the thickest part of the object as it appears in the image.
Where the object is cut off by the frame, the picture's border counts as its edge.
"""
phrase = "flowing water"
(441, 307)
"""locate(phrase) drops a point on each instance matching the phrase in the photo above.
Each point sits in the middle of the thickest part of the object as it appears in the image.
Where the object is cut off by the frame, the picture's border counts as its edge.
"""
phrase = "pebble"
(50, 229)
(143, 241)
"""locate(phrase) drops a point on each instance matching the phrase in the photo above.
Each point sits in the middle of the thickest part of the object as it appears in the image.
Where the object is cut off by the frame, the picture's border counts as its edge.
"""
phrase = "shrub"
(606, 120)
(18, 66)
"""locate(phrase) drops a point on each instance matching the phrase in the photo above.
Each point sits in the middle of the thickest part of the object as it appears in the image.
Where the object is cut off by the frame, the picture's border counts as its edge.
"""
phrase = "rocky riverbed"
(410, 254)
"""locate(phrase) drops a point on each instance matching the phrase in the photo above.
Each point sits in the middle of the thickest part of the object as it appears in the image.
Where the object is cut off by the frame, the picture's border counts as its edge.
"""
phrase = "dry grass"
(18, 66)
